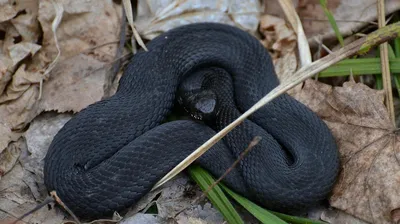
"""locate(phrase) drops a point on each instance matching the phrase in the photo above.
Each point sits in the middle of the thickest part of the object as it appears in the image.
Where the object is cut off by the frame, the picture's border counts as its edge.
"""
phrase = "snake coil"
(109, 155)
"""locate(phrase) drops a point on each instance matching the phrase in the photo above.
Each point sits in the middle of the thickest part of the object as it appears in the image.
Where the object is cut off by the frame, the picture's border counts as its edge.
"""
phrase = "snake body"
(109, 155)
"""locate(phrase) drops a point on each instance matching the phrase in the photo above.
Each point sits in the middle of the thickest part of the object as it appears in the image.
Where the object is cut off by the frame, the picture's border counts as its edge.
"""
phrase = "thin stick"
(46, 201)
(387, 84)
(58, 200)
(302, 43)
(129, 16)
(253, 143)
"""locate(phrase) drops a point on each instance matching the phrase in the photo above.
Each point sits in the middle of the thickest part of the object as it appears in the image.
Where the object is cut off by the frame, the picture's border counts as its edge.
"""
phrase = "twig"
(302, 43)
(46, 201)
(360, 46)
(253, 143)
(58, 200)
(338, 20)
(129, 16)
(386, 79)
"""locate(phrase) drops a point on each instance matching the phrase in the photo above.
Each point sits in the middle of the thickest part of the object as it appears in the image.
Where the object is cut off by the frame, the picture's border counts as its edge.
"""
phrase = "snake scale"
(110, 154)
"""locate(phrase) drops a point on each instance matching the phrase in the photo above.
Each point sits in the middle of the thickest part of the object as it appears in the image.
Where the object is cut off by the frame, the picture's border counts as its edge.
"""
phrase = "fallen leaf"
(7, 10)
(8, 157)
(155, 17)
(7, 136)
(205, 213)
(21, 81)
(141, 218)
(19, 51)
(337, 216)
(350, 16)
(174, 203)
(26, 23)
(85, 25)
(5, 74)
(19, 112)
(278, 37)
(23, 186)
(281, 42)
(16, 200)
(74, 84)
(38, 138)
(368, 184)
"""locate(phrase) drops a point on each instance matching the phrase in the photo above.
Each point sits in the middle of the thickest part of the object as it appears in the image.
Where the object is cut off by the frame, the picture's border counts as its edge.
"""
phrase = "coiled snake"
(111, 154)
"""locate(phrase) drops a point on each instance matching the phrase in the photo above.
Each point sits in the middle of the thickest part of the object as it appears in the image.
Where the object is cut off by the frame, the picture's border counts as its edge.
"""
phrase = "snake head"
(199, 104)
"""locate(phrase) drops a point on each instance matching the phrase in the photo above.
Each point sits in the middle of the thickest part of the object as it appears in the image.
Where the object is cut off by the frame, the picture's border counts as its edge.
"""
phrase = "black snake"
(112, 153)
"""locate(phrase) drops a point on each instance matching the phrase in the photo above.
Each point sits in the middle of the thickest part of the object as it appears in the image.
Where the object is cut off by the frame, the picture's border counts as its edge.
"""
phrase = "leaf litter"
(355, 113)
(369, 147)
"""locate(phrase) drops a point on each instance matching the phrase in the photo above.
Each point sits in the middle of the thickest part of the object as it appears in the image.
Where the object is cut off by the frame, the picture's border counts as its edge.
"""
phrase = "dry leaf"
(155, 17)
(7, 10)
(18, 113)
(368, 184)
(15, 200)
(9, 156)
(349, 15)
(85, 25)
(19, 51)
(21, 81)
(281, 42)
(74, 84)
(175, 203)
(26, 23)
(23, 185)
(38, 138)
(278, 37)
(200, 214)
(7, 136)
(337, 216)
(141, 218)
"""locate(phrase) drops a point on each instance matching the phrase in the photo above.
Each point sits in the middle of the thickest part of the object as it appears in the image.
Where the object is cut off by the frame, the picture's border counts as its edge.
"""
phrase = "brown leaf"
(19, 112)
(337, 216)
(21, 81)
(9, 153)
(21, 50)
(368, 184)
(349, 15)
(23, 186)
(74, 84)
(155, 17)
(16, 200)
(38, 138)
(7, 10)
(281, 42)
(26, 23)
(278, 37)
(85, 25)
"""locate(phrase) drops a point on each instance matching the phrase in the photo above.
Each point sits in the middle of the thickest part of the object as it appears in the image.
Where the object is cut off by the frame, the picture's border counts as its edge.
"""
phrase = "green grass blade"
(216, 195)
(396, 76)
(296, 220)
(324, 4)
(378, 82)
(397, 47)
(261, 214)
(360, 66)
